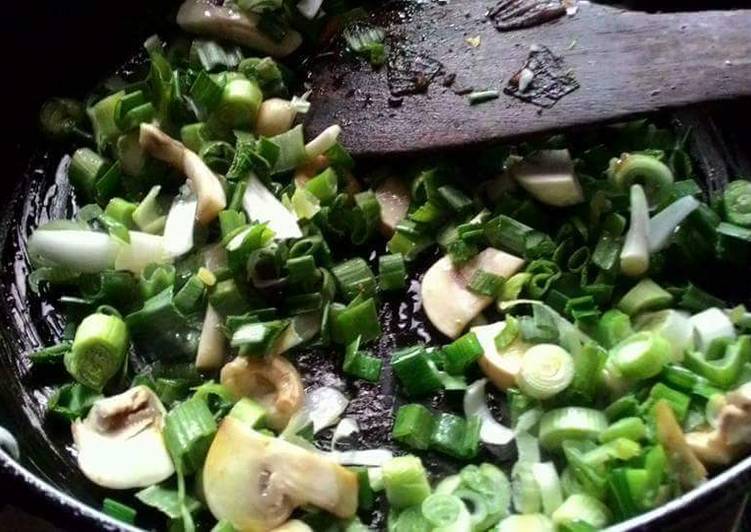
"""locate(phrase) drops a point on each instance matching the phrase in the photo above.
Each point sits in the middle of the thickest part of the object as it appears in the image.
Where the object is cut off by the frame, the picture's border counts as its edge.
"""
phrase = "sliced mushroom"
(500, 367)
(394, 198)
(732, 437)
(450, 306)
(205, 184)
(272, 381)
(255, 481)
(120, 444)
(548, 176)
(204, 17)
(690, 470)
(211, 346)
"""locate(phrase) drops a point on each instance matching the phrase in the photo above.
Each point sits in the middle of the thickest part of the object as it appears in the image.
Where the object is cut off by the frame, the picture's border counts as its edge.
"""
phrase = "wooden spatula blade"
(626, 63)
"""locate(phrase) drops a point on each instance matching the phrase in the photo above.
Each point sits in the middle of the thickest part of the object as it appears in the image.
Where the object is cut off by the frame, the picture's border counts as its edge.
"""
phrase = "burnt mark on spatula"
(543, 80)
(508, 15)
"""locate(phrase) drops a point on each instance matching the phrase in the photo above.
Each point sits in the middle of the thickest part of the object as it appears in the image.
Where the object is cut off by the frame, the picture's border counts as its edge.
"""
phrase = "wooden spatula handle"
(626, 63)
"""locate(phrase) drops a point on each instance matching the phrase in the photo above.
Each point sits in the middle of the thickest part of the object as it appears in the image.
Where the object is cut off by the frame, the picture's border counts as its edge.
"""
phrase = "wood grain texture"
(627, 63)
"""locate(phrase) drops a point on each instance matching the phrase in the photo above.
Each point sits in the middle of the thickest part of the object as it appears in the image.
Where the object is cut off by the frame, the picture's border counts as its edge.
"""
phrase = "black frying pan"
(65, 48)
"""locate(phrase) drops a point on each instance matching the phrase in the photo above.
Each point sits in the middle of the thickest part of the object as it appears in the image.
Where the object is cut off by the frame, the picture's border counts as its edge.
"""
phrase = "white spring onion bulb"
(180, 224)
(546, 370)
(635, 253)
(323, 142)
(262, 206)
(641, 355)
(275, 117)
(346, 428)
(526, 523)
(80, 251)
(709, 325)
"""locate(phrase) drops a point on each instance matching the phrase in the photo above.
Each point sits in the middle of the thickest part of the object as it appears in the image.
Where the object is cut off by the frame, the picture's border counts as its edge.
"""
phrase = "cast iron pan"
(65, 49)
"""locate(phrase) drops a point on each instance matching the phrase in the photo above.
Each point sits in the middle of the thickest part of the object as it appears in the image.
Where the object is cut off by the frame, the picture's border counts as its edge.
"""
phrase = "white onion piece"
(178, 229)
(211, 345)
(144, 249)
(325, 406)
(709, 325)
(346, 428)
(80, 251)
(9, 444)
(302, 328)
(326, 140)
(367, 457)
(663, 224)
(309, 8)
(491, 431)
(262, 206)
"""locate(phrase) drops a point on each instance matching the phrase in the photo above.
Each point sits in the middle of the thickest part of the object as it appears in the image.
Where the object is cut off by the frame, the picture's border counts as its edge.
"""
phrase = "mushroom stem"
(205, 18)
(205, 184)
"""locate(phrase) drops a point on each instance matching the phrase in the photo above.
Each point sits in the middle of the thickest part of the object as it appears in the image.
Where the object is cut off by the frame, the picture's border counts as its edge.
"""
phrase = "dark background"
(64, 48)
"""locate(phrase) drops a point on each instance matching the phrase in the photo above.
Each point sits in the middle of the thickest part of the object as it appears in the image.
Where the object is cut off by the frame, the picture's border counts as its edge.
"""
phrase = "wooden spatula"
(608, 64)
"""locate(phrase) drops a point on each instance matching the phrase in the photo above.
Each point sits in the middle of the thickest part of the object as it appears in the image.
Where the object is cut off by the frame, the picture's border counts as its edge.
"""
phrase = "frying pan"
(57, 48)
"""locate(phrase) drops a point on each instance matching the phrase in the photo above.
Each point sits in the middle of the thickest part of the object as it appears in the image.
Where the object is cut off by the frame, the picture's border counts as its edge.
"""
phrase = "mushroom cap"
(120, 444)
(273, 381)
(450, 306)
(256, 481)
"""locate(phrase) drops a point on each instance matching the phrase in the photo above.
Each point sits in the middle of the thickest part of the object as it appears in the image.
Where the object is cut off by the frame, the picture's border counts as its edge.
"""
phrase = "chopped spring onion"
(392, 273)
(326, 140)
(546, 370)
(663, 224)
(455, 436)
(635, 252)
(549, 177)
(525, 491)
(645, 295)
(485, 284)
(482, 96)
(239, 104)
(250, 412)
(86, 167)
(642, 169)
(583, 508)
(736, 202)
(709, 326)
(358, 319)
(673, 325)
(549, 485)
(148, 216)
(178, 229)
(405, 481)
(166, 501)
(570, 423)
(263, 207)
(527, 523)
(491, 432)
(413, 426)
(371, 458)
(366, 40)
(641, 356)
(460, 354)
(446, 513)
(361, 364)
(631, 428)
(188, 431)
(415, 371)
(324, 186)
(119, 511)
(143, 249)
(354, 278)
(725, 370)
(98, 350)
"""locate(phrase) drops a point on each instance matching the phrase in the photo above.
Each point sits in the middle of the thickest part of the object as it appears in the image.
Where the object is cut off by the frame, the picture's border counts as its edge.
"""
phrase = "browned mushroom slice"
(272, 381)
(450, 306)
(255, 481)
(686, 465)
(120, 444)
